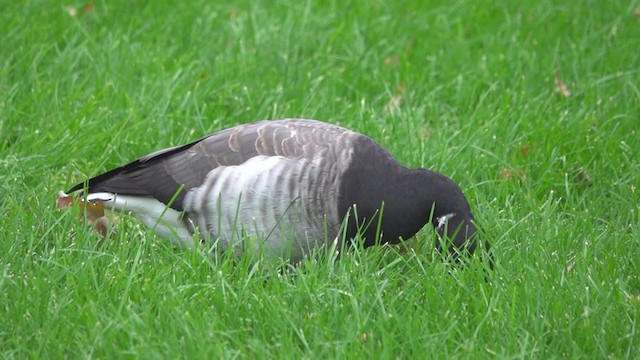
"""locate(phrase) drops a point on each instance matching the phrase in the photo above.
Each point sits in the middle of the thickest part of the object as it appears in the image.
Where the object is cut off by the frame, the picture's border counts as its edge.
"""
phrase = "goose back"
(277, 181)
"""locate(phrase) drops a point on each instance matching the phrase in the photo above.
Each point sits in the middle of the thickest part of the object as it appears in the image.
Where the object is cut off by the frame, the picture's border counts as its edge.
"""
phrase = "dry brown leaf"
(507, 174)
(636, 12)
(525, 149)
(64, 200)
(233, 13)
(392, 61)
(404, 248)
(393, 104)
(395, 101)
(363, 337)
(561, 87)
(408, 47)
(586, 312)
(571, 266)
(94, 211)
(582, 178)
(88, 7)
(426, 132)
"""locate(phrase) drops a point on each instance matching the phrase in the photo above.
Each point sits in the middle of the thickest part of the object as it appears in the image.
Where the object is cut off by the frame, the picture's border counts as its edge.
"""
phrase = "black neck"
(407, 198)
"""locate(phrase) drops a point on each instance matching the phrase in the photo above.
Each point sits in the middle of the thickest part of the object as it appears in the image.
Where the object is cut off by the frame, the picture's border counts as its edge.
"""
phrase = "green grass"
(462, 87)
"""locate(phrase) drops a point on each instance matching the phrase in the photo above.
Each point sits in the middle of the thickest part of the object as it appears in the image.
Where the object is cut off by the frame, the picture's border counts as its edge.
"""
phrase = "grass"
(468, 88)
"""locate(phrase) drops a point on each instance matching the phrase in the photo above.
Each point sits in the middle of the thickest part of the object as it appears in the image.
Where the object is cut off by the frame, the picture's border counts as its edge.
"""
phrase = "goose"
(284, 187)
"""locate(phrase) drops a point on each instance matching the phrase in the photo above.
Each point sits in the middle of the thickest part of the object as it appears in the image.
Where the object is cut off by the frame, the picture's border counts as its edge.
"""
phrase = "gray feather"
(162, 173)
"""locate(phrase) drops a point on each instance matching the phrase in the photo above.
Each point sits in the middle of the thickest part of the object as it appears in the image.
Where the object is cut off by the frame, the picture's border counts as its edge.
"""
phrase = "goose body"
(284, 187)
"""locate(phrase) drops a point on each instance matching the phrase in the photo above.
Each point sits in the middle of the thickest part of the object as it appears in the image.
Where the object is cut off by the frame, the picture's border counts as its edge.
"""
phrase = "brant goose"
(284, 187)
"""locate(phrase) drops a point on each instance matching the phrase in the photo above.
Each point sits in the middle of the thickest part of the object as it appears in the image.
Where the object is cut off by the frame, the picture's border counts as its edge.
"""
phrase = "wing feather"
(162, 173)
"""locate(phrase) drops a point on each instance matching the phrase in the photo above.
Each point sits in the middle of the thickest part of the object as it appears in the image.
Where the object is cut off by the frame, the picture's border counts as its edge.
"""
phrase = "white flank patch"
(267, 203)
(443, 219)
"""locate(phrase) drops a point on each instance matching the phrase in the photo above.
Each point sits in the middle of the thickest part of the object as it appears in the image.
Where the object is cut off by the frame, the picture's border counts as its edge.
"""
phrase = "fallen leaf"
(511, 173)
(636, 12)
(233, 13)
(64, 200)
(94, 211)
(393, 104)
(524, 149)
(101, 226)
(561, 87)
(571, 266)
(392, 61)
(408, 47)
(395, 101)
(88, 7)
(581, 177)
(426, 132)
(404, 248)
(363, 337)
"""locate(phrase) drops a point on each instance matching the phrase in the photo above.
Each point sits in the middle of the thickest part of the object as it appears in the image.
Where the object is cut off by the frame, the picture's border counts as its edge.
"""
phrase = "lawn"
(532, 107)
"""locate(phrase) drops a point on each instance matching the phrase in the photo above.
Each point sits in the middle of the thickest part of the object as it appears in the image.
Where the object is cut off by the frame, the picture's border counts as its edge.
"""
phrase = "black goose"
(284, 186)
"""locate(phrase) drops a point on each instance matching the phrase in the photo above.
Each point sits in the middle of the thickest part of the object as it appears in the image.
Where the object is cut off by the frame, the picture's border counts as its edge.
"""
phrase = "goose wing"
(161, 174)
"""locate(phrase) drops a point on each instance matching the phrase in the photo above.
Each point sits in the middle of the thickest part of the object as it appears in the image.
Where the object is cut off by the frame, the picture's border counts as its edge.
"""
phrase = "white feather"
(166, 221)
(442, 220)
(259, 206)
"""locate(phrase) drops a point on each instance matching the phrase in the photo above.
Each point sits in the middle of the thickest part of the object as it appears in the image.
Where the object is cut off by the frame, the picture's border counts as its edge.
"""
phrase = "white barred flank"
(275, 202)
